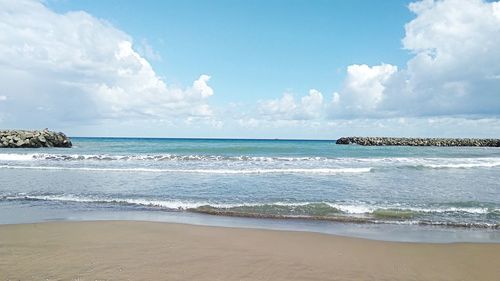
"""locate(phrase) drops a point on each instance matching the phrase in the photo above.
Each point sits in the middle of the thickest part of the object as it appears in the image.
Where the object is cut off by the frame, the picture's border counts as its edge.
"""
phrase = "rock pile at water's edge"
(379, 141)
(32, 139)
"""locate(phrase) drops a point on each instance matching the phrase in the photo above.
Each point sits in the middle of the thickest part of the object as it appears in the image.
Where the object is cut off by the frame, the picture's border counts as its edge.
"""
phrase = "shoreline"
(339, 218)
(116, 250)
(288, 214)
(41, 213)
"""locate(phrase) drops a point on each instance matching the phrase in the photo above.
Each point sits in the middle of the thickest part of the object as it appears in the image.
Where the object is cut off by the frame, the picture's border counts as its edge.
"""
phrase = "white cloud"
(456, 53)
(279, 107)
(450, 86)
(287, 108)
(453, 72)
(311, 105)
(201, 88)
(147, 51)
(363, 89)
(74, 67)
(332, 129)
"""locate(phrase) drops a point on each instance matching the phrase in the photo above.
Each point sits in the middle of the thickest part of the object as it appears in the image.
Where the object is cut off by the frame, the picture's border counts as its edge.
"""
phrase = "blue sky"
(259, 49)
(251, 69)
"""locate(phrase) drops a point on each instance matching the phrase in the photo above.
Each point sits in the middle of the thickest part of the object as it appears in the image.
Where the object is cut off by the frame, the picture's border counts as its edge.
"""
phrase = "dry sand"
(127, 250)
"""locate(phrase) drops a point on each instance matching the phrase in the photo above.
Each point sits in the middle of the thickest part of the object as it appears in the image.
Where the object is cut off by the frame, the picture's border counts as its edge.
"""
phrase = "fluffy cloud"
(74, 67)
(449, 87)
(455, 69)
(77, 69)
(287, 108)
(363, 90)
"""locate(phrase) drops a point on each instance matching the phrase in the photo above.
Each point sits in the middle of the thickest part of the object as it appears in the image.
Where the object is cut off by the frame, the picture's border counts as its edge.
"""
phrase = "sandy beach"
(129, 250)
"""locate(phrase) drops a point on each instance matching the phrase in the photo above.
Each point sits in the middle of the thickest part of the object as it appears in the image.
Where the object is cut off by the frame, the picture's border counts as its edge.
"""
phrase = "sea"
(395, 193)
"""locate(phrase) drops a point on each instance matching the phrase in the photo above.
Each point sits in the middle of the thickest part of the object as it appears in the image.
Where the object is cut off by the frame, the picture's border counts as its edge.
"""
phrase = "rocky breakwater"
(23, 138)
(379, 141)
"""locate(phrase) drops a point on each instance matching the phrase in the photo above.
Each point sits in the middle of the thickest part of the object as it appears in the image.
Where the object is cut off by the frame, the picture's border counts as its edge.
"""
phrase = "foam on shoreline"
(322, 211)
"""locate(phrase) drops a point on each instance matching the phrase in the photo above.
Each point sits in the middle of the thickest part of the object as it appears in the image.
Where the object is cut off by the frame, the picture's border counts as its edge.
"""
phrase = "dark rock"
(23, 138)
(381, 141)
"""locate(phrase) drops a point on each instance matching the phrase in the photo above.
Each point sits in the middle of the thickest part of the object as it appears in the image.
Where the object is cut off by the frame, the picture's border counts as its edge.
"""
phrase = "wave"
(438, 163)
(358, 208)
(201, 171)
(162, 157)
(170, 205)
(360, 213)
(381, 162)
(463, 165)
(16, 157)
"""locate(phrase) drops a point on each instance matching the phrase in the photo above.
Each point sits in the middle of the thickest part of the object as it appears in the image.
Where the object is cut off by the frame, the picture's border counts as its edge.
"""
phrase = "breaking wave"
(201, 171)
(401, 162)
(162, 157)
(360, 213)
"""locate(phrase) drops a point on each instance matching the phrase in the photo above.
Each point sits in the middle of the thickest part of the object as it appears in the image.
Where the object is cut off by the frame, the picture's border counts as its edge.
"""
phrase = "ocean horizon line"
(202, 138)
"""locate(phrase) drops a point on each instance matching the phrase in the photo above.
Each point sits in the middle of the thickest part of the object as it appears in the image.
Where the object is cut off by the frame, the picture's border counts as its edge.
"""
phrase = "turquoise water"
(448, 187)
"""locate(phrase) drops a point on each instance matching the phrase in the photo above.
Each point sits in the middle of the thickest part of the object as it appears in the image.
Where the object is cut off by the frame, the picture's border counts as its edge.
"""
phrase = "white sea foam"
(434, 163)
(362, 208)
(174, 204)
(464, 165)
(16, 157)
(200, 171)
(347, 162)
(354, 209)
(159, 157)
(169, 204)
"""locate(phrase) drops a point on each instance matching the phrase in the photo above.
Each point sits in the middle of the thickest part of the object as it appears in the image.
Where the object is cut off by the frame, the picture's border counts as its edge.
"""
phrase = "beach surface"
(131, 250)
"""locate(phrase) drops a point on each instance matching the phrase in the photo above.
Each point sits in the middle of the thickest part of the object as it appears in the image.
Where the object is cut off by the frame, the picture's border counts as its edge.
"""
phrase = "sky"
(251, 69)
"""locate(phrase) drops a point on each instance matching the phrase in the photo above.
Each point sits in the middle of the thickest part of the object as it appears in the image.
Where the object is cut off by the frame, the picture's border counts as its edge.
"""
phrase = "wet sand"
(128, 250)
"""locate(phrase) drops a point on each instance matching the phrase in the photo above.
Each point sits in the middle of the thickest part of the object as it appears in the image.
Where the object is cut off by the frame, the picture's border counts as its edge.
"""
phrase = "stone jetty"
(42, 138)
(379, 141)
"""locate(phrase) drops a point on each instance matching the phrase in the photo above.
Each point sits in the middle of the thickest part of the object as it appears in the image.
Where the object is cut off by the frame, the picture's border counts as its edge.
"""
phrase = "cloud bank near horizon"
(72, 69)
(454, 71)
